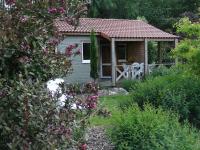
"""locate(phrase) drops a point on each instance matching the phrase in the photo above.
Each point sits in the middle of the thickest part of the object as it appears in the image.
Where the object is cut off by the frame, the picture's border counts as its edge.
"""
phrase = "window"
(121, 52)
(86, 53)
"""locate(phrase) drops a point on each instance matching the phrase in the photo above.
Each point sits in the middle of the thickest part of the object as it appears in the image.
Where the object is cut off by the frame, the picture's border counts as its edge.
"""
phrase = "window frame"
(125, 46)
(86, 61)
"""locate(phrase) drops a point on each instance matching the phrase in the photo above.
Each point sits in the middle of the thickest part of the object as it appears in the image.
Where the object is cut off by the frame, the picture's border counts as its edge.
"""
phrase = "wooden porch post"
(146, 57)
(159, 53)
(113, 58)
(176, 43)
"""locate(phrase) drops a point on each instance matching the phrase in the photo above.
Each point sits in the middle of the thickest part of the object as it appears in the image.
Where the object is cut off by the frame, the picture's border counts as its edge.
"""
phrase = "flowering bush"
(72, 50)
(32, 119)
(29, 115)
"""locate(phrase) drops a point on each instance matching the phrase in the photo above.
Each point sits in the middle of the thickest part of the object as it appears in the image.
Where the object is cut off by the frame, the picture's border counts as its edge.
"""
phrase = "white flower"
(53, 86)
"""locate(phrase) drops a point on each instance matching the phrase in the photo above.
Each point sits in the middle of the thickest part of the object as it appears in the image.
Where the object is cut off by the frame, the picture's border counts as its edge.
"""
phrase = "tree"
(101, 8)
(162, 14)
(188, 50)
(93, 56)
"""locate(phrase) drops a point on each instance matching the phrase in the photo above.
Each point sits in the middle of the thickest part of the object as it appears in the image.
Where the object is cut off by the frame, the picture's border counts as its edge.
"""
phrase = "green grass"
(111, 103)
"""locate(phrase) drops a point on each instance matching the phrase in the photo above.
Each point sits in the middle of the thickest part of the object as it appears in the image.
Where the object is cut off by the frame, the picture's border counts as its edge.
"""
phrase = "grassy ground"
(110, 103)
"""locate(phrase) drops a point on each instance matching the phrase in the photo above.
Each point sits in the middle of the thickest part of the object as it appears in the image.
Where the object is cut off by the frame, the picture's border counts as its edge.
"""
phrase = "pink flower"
(25, 46)
(93, 98)
(71, 47)
(62, 2)
(53, 42)
(24, 18)
(92, 105)
(61, 10)
(68, 52)
(52, 10)
(23, 59)
(84, 147)
(78, 52)
(10, 2)
(46, 51)
(91, 102)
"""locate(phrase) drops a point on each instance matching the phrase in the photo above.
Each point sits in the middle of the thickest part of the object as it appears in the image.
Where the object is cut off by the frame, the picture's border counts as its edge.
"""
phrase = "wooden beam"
(175, 45)
(113, 58)
(159, 52)
(76, 33)
(145, 56)
(128, 39)
(157, 40)
(105, 36)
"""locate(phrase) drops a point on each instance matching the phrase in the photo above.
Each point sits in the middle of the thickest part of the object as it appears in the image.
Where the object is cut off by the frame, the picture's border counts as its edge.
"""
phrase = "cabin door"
(105, 61)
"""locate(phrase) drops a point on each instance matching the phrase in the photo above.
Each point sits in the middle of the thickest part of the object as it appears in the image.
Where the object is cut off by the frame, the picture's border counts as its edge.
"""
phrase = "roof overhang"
(120, 29)
(162, 39)
(103, 35)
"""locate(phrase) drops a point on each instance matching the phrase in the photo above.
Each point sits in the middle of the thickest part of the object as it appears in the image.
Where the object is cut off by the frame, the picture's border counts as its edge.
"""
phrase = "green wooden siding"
(81, 71)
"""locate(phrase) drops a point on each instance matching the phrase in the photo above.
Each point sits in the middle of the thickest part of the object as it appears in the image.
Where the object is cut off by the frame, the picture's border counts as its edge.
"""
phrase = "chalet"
(122, 44)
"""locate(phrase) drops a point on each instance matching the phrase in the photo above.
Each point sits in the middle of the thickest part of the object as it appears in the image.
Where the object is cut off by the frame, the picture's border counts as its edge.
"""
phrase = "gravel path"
(112, 91)
(97, 139)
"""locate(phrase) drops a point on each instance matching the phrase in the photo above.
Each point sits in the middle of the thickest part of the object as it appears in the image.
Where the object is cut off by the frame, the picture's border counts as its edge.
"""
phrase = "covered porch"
(127, 58)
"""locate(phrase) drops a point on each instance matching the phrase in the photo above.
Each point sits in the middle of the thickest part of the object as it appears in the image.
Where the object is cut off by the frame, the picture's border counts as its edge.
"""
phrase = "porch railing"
(135, 70)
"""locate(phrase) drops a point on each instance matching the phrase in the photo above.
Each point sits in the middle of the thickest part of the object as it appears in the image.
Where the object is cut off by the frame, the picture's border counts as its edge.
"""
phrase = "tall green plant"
(93, 56)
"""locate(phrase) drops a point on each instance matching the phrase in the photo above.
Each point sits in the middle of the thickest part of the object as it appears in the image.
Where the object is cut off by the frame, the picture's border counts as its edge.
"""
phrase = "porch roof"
(113, 28)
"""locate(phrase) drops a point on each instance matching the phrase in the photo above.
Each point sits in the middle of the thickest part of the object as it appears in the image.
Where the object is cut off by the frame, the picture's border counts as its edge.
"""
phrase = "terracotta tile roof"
(114, 28)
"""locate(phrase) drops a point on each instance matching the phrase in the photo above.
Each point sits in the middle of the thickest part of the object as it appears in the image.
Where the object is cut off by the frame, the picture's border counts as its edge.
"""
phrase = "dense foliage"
(128, 84)
(152, 129)
(188, 50)
(172, 89)
(160, 13)
(30, 116)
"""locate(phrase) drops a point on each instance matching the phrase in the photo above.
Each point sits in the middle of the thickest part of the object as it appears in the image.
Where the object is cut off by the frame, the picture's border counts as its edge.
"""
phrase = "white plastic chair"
(141, 71)
(125, 70)
(134, 70)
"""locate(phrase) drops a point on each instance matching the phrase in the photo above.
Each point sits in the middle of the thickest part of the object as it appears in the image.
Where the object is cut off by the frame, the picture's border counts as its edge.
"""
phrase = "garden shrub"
(163, 71)
(154, 129)
(177, 92)
(159, 71)
(129, 84)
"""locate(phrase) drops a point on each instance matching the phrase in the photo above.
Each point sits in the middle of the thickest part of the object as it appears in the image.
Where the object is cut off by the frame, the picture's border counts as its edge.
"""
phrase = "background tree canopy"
(160, 13)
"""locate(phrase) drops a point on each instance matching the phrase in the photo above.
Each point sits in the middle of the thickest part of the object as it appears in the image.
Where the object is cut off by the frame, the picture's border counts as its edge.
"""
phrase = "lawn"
(110, 103)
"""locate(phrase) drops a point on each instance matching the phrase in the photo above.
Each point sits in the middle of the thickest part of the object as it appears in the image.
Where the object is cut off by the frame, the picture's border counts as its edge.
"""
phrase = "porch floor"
(105, 82)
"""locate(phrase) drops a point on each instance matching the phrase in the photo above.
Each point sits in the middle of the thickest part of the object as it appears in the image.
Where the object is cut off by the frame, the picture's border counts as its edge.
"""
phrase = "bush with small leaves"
(178, 92)
(152, 128)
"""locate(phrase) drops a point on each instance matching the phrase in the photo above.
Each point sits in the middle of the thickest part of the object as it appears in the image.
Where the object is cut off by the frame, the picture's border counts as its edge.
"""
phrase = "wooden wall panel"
(135, 52)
